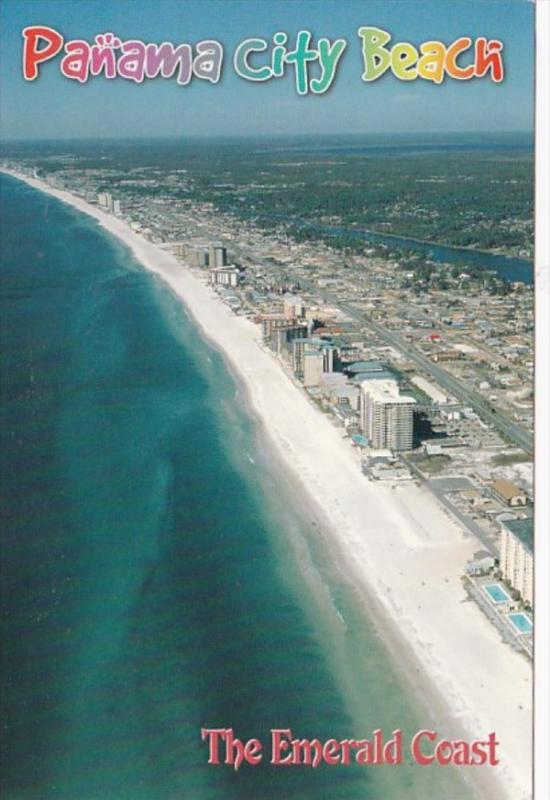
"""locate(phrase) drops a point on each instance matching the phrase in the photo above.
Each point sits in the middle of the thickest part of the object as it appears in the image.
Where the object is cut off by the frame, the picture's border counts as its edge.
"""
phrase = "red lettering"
(235, 750)
(252, 752)
(417, 753)
(346, 745)
(32, 54)
(492, 742)
(444, 752)
(278, 744)
(462, 756)
(213, 745)
(331, 752)
(488, 57)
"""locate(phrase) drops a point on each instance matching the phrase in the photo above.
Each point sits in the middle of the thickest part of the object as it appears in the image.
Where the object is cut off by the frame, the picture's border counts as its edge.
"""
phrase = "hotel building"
(320, 355)
(516, 556)
(217, 255)
(225, 276)
(386, 416)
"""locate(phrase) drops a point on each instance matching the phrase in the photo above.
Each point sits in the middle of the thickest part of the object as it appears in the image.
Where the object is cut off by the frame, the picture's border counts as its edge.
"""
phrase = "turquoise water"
(521, 623)
(497, 593)
(159, 572)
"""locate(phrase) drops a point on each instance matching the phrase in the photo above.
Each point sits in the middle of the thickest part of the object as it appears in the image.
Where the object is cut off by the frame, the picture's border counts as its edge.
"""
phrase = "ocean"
(160, 572)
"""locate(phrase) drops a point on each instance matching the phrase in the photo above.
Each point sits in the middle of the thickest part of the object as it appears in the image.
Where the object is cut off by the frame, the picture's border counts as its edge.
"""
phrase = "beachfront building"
(324, 351)
(271, 323)
(328, 352)
(225, 276)
(313, 367)
(196, 255)
(339, 391)
(217, 255)
(105, 200)
(178, 248)
(386, 416)
(293, 307)
(282, 337)
(516, 556)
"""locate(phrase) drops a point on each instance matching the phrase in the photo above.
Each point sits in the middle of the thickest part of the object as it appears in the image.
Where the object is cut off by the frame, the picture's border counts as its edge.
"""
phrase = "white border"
(542, 405)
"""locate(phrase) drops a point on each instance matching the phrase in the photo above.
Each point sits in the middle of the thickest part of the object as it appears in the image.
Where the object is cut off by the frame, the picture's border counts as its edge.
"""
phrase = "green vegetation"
(507, 459)
(431, 464)
(474, 193)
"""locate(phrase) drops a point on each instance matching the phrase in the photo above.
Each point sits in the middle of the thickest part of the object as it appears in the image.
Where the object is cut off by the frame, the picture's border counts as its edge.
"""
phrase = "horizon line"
(236, 136)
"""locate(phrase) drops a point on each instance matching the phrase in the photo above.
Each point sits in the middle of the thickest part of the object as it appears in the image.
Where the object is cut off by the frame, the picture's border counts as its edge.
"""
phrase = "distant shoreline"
(517, 262)
(404, 553)
(513, 140)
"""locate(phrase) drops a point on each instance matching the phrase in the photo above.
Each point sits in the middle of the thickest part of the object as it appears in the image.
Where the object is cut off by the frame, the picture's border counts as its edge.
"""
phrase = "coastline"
(400, 545)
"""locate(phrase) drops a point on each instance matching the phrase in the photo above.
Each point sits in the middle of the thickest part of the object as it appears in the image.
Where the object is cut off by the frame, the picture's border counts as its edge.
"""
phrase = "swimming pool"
(497, 593)
(521, 622)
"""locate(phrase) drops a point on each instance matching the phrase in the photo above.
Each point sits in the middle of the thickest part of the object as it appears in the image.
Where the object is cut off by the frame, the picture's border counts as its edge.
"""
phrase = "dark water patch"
(507, 268)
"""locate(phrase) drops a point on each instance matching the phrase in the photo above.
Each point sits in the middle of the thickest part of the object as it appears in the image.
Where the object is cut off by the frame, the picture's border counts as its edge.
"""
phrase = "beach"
(405, 554)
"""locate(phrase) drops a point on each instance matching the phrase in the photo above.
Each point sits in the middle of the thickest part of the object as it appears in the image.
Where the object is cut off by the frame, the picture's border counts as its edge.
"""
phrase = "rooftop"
(522, 530)
(366, 366)
(507, 489)
(385, 391)
(382, 375)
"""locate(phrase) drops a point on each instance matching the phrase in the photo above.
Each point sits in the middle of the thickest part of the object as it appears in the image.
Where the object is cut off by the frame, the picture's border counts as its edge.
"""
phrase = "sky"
(53, 107)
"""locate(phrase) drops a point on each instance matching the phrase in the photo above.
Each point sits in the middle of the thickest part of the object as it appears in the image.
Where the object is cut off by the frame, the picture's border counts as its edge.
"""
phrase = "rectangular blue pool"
(521, 622)
(497, 593)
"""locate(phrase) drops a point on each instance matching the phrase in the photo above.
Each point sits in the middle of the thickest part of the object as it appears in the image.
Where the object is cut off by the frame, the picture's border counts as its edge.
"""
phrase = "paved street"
(505, 426)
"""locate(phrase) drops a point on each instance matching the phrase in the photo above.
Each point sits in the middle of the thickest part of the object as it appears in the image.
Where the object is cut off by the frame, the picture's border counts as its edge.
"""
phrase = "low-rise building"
(481, 564)
(509, 493)
(437, 447)
(340, 391)
(225, 276)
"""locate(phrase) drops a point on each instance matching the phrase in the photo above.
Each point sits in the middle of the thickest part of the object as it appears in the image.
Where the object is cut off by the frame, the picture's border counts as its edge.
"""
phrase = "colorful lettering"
(33, 55)
(433, 63)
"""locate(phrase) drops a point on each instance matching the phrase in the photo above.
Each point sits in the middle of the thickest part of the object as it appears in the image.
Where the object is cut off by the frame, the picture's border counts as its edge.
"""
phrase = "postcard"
(272, 374)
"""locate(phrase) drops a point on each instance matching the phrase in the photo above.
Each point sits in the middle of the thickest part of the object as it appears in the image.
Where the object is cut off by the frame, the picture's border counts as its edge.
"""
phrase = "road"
(503, 424)
(509, 429)
(468, 523)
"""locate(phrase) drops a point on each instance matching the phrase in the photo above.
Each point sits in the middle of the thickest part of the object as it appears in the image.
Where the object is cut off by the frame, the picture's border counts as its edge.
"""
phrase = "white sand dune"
(400, 545)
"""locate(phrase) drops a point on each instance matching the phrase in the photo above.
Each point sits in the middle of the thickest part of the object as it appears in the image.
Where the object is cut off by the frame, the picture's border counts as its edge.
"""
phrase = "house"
(482, 563)
(509, 493)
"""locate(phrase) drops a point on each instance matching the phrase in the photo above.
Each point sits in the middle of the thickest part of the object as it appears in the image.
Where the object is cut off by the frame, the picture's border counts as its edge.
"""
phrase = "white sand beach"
(399, 543)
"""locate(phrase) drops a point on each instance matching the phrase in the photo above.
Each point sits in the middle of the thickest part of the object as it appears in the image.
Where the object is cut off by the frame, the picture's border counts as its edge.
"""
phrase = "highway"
(504, 425)
(509, 429)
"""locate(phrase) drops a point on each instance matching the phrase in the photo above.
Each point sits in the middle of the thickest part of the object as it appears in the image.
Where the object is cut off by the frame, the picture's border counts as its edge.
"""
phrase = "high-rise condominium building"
(386, 416)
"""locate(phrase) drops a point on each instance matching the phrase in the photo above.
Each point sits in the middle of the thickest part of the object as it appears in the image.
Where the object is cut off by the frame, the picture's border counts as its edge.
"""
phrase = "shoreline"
(459, 248)
(402, 549)
(529, 263)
